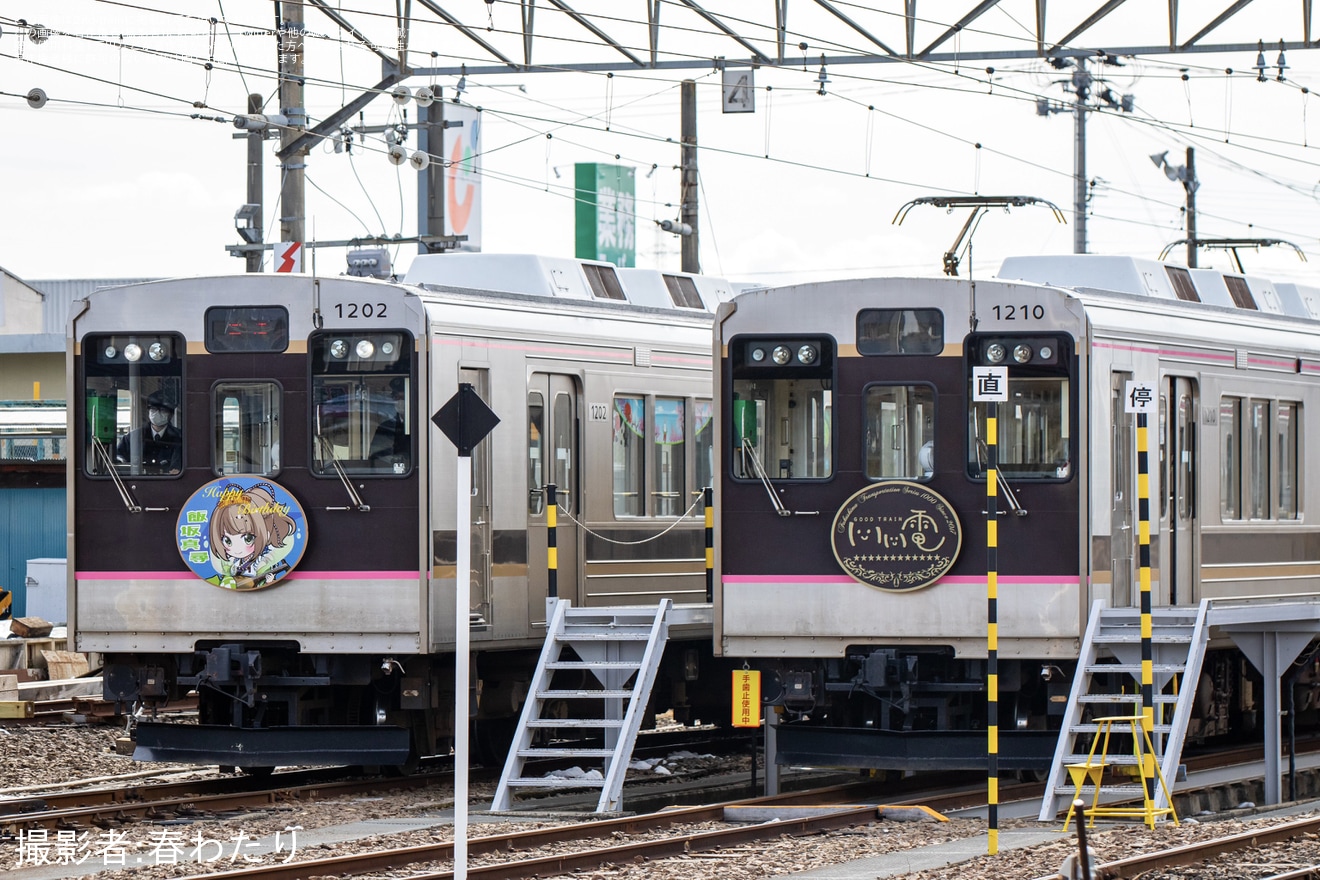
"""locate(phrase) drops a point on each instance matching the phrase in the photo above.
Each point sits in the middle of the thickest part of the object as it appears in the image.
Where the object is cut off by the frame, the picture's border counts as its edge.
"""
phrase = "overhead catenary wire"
(961, 74)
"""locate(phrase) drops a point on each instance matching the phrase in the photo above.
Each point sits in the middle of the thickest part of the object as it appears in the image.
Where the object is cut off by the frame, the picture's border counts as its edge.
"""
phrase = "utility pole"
(255, 141)
(1189, 184)
(292, 192)
(1081, 81)
(688, 187)
(1186, 175)
(431, 186)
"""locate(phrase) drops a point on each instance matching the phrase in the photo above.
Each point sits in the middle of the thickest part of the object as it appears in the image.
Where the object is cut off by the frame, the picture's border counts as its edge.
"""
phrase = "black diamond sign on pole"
(465, 419)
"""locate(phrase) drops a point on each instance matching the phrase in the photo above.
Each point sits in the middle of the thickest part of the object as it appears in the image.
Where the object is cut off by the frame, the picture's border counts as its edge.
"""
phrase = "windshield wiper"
(343, 478)
(981, 460)
(102, 455)
(749, 452)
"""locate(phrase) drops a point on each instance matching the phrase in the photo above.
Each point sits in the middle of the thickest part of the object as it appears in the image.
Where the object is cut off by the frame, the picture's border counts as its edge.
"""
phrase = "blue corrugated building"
(33, 504)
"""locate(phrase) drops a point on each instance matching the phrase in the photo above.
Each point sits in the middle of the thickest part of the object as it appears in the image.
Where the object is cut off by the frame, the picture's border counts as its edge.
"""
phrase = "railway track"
(583, 846)
(545, 852)
(115, 805)
(1239, 847)
(161, 801)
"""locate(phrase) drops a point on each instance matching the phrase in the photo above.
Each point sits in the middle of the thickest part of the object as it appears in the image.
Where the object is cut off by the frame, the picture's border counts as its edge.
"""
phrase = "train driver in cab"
(159, 442)
(391, 444)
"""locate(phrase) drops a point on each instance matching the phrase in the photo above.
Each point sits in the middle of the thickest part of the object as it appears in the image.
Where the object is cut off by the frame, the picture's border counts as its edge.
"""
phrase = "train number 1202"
(360, 310)
(1020, 313)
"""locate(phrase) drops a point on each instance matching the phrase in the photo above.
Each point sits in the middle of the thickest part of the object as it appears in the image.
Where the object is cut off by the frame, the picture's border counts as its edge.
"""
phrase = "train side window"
(669, 457)
(629, 455)
(535, 453)
(1230, 461)
(1258, 457)
(1288, 426)
(133, 405)
(246, 420)
(704, 454)
(1166, 467)
(900, 431)
(564, 452)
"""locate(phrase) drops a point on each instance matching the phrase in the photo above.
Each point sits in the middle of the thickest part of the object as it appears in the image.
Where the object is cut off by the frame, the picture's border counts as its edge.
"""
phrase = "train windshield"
(1033, 439)
(133, 385)
(1034, 423)
(783, 408)
(363, 417)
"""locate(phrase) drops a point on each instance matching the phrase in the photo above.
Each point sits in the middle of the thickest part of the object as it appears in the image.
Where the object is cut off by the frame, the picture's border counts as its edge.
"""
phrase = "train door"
(552, 457)
(1178, 460)
(481, 510)
(1122, 518)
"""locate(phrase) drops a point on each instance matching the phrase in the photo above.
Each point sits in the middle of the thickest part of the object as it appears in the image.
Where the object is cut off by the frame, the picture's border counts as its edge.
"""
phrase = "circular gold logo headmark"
(896, 536)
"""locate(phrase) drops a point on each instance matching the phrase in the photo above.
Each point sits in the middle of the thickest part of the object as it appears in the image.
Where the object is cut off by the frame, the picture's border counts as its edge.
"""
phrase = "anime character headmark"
(250, 536)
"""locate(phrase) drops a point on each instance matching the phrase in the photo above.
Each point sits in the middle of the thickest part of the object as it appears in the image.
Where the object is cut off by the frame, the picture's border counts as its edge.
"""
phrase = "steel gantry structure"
(456, 38)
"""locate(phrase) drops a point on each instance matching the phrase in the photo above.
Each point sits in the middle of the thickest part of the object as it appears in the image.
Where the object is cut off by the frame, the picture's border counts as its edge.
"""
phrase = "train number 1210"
(1020, 313)
(360, 310)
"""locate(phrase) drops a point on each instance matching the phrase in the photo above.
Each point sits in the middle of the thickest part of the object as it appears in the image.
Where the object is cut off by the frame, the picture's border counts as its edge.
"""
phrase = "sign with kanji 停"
(746, 698)
(1139, 397)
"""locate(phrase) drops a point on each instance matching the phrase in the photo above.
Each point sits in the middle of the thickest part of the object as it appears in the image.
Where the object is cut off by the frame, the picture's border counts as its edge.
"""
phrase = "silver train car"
(262, 512)
(851, 455)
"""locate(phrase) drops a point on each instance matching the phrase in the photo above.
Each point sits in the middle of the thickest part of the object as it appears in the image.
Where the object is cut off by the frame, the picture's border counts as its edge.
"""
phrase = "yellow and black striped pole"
(708, 499)
(992, 620)
(551, 542)
(1147, 650)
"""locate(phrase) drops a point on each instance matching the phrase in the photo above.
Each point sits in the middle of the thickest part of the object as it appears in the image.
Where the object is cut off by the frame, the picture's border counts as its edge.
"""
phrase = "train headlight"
(387, 348)
(994, 353)
(111, 352)
(156, 351)
(365, 348)
(807, 354)
(758, 354)
(338, 348)
(1046, 352)
(1022, 353)
(132, 352)
(781, 355)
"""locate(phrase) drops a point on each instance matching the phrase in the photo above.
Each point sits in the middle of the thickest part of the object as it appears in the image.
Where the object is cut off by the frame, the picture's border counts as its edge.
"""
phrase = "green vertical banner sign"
(605, 213)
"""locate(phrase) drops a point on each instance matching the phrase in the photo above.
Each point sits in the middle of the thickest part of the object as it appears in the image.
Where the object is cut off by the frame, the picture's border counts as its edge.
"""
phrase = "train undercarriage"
(921, 709)
(265, 704)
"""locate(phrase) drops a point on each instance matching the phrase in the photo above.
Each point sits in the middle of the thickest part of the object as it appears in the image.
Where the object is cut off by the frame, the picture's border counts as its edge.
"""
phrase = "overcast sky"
(112, 178)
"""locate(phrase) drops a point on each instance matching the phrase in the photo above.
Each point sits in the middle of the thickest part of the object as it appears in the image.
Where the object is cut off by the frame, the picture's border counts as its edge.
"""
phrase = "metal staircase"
(1108, 683)
(615, 645)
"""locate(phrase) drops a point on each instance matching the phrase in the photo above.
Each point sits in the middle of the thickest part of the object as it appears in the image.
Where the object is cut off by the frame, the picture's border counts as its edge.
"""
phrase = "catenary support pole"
(255, 142)
(292, 192)
(688, 187)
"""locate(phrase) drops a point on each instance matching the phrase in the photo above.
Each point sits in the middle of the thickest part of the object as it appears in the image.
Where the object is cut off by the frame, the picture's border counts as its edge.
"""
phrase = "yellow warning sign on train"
(746, 698)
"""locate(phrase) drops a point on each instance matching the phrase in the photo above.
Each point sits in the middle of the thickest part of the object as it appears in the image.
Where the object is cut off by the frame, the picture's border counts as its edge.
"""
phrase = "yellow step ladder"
(1090, 771)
